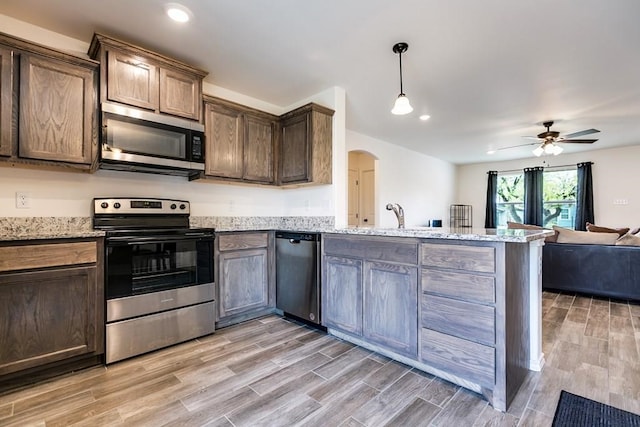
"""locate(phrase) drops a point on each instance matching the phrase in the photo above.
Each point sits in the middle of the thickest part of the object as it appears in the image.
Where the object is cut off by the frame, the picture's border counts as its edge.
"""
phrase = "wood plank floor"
(274, 372)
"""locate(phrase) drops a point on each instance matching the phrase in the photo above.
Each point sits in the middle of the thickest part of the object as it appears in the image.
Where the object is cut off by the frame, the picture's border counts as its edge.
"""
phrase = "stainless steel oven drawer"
(143, 334)
(155, 302)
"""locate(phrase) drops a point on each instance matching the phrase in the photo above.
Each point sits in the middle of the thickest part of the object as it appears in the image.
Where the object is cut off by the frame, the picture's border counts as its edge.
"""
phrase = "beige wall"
(616, 174)
(424, 186)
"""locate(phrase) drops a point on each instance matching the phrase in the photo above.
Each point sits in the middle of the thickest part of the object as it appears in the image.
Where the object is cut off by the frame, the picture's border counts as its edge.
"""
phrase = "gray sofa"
(600, 270)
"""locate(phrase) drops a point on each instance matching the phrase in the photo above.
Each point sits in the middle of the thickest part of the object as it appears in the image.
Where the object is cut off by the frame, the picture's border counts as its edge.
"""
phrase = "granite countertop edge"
(496, 235)
(491, 235)
(51, 235)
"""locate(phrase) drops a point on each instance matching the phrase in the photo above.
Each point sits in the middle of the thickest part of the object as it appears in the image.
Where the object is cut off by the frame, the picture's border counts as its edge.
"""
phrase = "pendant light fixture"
(402, 105)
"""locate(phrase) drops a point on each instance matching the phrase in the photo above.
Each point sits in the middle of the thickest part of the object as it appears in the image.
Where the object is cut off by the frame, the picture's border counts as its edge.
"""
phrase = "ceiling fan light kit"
(547, 148)
(402, 105)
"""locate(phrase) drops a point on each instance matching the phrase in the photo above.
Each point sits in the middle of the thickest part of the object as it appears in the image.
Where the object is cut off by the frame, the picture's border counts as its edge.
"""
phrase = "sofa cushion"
(598, 229)
(519, 226)
(628, 240)
(566, 235)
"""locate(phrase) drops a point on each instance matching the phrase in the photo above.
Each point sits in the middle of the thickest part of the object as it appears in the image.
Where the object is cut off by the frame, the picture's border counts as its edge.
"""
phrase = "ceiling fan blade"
(580, 133)
(578, 141)
(516, 146)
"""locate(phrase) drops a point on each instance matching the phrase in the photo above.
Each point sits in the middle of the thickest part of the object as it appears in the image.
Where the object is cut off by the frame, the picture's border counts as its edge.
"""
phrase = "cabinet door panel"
(481, 259)
(48, 316)
(244, 282)
(132, 80)
(258, 149)
(342, 294)
(473, 322)
(235, 241)
(224, 151)
(463, 358)
(180, 94)
(295, 150)
(6, 101)
(472, 287)
(391, 306)
(57, 110)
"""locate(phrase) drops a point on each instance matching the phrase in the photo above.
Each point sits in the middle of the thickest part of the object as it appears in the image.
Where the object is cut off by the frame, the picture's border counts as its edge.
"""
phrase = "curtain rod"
(546, 167)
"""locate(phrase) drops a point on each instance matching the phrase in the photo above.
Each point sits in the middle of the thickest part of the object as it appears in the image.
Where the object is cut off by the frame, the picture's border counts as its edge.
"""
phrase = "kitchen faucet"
(397, 209)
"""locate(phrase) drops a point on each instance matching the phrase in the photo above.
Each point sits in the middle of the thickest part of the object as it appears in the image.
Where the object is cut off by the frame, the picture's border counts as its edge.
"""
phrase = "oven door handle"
(131, 240)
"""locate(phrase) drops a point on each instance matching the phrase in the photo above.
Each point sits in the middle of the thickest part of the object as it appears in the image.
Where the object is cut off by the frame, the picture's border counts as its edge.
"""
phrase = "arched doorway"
(361, 189)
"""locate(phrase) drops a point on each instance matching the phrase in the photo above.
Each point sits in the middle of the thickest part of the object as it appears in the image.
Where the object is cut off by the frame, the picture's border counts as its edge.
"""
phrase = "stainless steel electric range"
(158, 275)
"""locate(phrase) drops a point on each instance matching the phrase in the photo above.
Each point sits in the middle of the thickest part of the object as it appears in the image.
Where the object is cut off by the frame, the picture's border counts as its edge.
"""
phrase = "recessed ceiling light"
(178, 13)
(491, 152)
(425, 117)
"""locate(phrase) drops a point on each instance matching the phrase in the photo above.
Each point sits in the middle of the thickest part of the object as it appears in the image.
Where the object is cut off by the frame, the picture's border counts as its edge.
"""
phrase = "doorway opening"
(362, 189)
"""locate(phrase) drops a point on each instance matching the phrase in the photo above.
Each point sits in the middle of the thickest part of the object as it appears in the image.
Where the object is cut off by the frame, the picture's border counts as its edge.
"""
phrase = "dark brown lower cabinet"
(391, 306)
(51, 314)
(458, 309)
(370, 290)
(245, 276)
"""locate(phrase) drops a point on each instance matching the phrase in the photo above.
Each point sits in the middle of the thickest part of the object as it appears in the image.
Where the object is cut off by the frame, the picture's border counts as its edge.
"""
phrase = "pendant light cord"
(401, 91)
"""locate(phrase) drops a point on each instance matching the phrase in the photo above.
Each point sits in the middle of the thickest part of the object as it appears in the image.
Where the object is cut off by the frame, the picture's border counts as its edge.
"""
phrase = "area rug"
(578, 411)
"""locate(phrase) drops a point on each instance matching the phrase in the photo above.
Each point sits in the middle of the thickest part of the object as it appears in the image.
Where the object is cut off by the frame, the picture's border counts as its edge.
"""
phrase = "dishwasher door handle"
(294, 241)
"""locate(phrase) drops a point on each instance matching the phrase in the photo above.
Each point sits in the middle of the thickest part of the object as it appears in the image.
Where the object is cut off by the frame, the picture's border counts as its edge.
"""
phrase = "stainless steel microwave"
(142, 141)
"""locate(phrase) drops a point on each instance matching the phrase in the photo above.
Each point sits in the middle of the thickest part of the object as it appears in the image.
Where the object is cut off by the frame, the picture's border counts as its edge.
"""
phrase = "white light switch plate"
(23, 200)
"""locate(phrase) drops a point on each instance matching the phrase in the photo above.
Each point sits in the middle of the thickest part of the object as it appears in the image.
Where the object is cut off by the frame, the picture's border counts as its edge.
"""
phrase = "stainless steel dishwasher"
(297, 275)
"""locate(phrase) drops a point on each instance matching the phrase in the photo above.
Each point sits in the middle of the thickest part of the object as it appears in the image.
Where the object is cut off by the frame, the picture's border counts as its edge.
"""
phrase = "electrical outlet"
(23, 200)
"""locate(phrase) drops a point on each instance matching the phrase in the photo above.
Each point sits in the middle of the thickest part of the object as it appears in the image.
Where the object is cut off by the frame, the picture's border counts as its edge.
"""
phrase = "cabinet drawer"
(465, 286)
(470, 258)
(230, 242)
(372, 249)
(47, 255)
(466, 320)
(465, 359)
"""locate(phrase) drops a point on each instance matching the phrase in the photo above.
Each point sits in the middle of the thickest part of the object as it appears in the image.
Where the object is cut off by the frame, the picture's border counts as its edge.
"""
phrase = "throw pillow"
(519, 226)
(628, 240)
(635, 230)
(598, 229)
(566, 235)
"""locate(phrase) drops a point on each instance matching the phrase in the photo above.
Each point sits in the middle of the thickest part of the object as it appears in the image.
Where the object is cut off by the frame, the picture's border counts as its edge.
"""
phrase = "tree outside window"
(559, 198)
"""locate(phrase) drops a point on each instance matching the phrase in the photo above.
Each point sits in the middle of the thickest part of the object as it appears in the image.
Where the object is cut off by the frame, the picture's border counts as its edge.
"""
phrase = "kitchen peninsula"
(461, 304)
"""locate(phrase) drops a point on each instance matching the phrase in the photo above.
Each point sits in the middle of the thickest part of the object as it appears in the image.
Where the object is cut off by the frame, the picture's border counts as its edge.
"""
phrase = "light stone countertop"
(462, 233)
(41, 228)
(17, 228)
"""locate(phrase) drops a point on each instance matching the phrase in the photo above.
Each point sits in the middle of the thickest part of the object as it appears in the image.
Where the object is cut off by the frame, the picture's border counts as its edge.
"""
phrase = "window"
(559, 198)
(510, 200)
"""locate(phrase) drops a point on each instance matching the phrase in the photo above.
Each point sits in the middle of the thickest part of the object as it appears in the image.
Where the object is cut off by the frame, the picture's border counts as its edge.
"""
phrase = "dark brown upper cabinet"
(57, 110)
(48, 107)
(259, 148)
(240, 142)
(306, 146)
(6, 101)
(248, 145)
(141, 78)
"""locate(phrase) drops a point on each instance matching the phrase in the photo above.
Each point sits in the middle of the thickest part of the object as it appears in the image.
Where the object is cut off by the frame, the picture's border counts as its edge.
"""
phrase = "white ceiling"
(486, 71)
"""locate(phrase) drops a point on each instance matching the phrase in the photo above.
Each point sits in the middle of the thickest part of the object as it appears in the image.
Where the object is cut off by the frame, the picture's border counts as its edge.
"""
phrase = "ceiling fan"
(548, 140)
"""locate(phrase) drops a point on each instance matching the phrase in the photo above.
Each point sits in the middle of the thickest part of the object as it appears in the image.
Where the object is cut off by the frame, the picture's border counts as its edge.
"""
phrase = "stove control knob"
(116, 205)
(104, 205)
(183, 206)
(173, 206)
